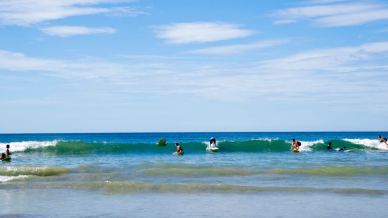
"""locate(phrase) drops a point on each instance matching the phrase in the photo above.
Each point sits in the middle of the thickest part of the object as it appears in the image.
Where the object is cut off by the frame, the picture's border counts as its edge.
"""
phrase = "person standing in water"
(295, 145)
(179, 149)
(329, 147)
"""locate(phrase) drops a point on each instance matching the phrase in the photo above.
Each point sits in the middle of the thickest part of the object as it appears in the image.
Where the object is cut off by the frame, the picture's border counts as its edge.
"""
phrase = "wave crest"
(370, 143)
(260, 145)
(32, 171)
(25, 145)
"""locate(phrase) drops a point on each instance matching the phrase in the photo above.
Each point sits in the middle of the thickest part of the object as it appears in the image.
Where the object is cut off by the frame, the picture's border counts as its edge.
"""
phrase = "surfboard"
(177, 154)
(214, 148)
(6, 159)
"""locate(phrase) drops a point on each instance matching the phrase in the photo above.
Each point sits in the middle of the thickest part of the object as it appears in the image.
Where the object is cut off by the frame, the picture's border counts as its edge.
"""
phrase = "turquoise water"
(253, 175)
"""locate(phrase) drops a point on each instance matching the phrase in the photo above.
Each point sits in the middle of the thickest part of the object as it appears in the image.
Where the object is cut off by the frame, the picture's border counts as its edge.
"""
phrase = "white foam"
(306, 145)
(372, 143)
(10, 178)
(22, 146)
(266, 139)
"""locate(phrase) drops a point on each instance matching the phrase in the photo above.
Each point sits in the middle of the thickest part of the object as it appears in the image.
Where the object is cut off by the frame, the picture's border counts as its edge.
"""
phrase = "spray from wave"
(370, 143)
(24, 145)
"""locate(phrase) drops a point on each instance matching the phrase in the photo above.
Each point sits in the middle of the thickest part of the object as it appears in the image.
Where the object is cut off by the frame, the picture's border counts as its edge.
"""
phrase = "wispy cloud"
(327, 59)
(87, 68)
(334, 13)
(342, 74)
(200, 32)
(66, 31)
(239, 48)
(28, 12)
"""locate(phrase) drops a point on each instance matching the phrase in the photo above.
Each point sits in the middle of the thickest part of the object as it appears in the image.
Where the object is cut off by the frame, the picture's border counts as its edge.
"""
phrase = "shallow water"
(253, 175)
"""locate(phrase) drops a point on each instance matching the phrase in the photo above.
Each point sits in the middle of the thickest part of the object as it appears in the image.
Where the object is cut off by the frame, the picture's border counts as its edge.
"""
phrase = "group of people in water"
(6, 155)
(179, 149)
(295, 146)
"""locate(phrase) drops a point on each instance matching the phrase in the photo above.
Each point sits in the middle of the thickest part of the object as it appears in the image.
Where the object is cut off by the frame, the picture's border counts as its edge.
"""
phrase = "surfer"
(213, 142)
(295, 145)
(343, 149)
(212, 146)
(179, 149)
(6, 154)
(382, 139)
(329, 147)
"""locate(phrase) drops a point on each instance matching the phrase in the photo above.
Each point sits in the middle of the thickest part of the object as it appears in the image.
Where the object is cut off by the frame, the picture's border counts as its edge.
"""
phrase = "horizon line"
(169, 132)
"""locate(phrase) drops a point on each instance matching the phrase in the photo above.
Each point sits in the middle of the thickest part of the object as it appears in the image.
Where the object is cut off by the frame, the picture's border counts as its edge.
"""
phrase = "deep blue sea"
(254, 174)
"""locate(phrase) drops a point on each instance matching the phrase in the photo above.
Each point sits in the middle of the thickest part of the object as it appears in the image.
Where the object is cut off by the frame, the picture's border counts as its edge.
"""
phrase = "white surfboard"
(212, 148)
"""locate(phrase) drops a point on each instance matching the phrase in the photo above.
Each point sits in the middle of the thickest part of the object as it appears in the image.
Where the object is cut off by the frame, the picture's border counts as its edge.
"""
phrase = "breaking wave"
(261, 145)
(11, 170)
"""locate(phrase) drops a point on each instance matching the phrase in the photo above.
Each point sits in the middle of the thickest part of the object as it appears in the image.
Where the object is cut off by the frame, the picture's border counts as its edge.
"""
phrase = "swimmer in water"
(179, 149)
(295, 145)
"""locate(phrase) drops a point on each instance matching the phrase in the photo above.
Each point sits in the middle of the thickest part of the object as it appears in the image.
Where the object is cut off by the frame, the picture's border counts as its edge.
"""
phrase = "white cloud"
(87, 68)
(344, 74)
(333, 14)
(325, 1)
(326, 59)
(239, 48)
(199, 32)
(66, 31)
(28, 12)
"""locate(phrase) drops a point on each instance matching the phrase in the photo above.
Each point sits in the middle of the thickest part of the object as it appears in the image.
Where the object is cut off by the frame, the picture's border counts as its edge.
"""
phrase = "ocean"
(254, 174)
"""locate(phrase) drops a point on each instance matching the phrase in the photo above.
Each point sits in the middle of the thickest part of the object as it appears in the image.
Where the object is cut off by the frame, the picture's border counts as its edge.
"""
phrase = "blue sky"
(180, 65)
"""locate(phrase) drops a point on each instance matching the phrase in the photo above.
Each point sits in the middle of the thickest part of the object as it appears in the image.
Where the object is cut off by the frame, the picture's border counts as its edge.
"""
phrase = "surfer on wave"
(213, 142)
